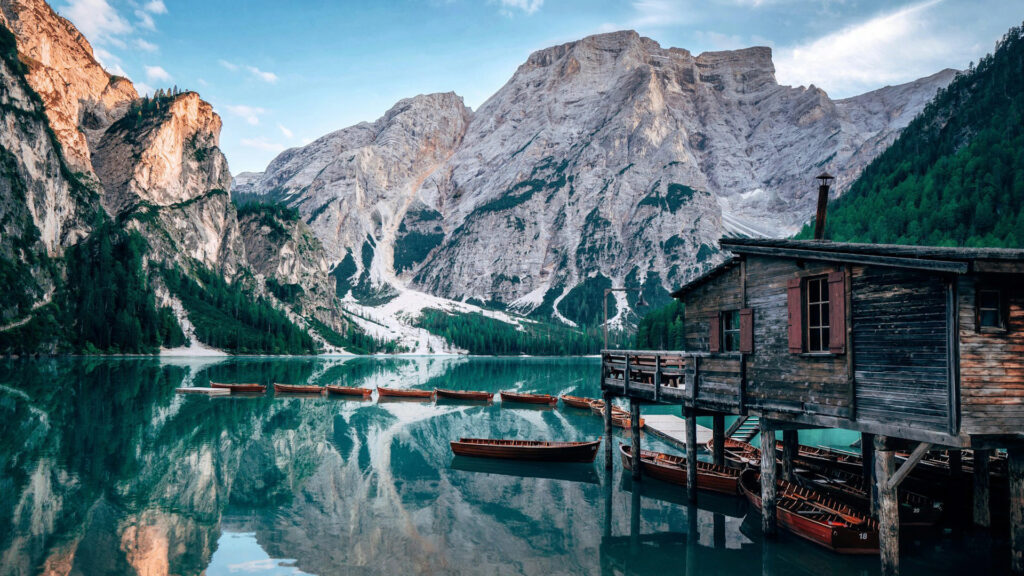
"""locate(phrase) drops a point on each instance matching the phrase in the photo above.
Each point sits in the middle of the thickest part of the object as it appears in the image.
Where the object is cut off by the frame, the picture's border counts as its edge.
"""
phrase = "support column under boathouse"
(919, 349)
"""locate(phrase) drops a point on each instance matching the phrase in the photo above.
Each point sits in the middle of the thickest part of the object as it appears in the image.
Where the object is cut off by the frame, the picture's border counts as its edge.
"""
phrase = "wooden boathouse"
(918, 348)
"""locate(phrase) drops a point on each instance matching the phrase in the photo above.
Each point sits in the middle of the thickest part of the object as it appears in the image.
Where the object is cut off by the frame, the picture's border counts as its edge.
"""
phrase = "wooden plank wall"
(900, 338)
(703, 304)
(777, 379)
(991, 365)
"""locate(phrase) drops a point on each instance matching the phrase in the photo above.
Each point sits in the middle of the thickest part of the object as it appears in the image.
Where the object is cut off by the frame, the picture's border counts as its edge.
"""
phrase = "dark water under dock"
(105, 470)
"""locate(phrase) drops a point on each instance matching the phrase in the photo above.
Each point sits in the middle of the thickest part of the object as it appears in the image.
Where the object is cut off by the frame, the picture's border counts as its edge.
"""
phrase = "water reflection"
(105, 470)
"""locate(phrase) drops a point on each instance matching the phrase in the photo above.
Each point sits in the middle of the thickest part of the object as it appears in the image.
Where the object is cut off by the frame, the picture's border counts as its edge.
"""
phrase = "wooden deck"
(672, 429)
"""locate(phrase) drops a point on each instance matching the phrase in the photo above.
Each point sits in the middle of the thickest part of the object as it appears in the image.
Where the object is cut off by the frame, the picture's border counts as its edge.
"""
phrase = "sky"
(282, 73)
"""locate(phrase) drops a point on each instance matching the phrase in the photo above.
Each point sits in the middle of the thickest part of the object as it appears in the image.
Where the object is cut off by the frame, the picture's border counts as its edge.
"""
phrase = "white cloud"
(97, 20)
(157, 74)
(287, 133)
(228, 65)
(144, 89)
(262, 143)
(890, 48)
(251, 114)
(146, 46)
(265, 76)
(202, 82)
(155, 7)
(526, 6)
(145, 19)
(657, 13)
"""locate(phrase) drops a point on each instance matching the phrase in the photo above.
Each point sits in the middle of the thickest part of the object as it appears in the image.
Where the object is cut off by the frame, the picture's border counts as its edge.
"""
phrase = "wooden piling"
(768, 512)
(634, 427)
(691, 453)
(790, 446)
(888, 507)
(982, 514)
(867, 453)
(718, 435)
(608, 453)
(1015, 465)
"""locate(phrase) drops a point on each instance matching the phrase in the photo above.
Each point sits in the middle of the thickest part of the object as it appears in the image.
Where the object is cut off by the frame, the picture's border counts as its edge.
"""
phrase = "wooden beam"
(790, 446)
(889, 261)
(1015, 471)
(888, 507)
(768, 511)
(691, 453)
(982, 511)
(894, 479)
(718, 438)
(608, 454)
(634, 427)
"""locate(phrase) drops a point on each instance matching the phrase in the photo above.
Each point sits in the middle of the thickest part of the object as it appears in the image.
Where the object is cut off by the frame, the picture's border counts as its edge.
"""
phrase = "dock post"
(691, 453)
(790, 446)
(768, 523)
(1015, 471)
(608, 462)
(982, 514)
(888, 507)
(635, 507)
(634, 427)
(718, 439)
(867, 457)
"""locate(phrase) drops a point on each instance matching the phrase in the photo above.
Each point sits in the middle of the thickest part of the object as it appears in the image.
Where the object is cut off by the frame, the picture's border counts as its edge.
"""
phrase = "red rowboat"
(672, 469)
(404, 393)
(529, 398)
(915, 509)
(240, 387)
(579, 401)
(298, 389)
(349, 391)
(464, 395)
(817, 518)
(739, 454)
(620, 418)
(527, 449)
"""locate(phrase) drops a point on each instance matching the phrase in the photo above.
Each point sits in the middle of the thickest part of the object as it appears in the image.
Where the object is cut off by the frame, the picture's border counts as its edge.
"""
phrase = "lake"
(106, 470)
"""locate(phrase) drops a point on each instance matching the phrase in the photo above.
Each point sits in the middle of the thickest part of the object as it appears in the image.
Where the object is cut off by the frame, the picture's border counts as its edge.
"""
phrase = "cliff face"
(610, 156)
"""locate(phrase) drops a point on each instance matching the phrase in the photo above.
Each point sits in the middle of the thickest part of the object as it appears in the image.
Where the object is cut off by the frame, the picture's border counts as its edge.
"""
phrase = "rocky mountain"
(83, 153)
(606, 161)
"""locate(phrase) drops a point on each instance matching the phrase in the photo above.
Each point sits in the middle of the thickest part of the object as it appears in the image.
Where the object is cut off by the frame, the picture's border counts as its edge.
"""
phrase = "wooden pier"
(920, 349)
(672, 429)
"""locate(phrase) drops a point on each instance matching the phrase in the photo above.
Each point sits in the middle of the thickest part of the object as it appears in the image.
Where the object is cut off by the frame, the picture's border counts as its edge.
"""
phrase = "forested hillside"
(955, 176)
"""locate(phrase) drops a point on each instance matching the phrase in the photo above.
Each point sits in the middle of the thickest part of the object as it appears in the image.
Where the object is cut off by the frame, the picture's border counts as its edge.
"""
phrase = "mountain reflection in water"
(105, 470)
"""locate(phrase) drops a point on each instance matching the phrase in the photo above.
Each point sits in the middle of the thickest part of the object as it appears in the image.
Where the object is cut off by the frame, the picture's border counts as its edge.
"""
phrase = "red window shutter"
(747, 330)
(796, 323)
(714, 333)
(837, 312)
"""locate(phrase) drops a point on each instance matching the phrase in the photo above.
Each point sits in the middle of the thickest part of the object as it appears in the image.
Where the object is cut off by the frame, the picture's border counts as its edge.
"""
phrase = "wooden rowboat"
(404, 393)
(620, 418)
(579, 401)
(298, 389)
(349, 391)
(469, 395)
(815, 517)
(738, 454)
(539, 450)
(260, 388)
(672, 469)
(529, 398)
(914, 510)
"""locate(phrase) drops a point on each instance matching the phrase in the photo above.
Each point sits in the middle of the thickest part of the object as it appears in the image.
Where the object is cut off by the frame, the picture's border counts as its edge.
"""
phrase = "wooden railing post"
(696, 377)
(657, 377)
(625, 376)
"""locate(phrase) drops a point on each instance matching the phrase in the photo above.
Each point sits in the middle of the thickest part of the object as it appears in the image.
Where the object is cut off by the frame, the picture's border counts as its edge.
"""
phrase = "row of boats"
(826, 501)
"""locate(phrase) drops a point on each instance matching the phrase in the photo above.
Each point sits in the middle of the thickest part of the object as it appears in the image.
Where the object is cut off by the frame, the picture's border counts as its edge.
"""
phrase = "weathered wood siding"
(992, 364)
(777, 379)
(901, 341)
(703, 304)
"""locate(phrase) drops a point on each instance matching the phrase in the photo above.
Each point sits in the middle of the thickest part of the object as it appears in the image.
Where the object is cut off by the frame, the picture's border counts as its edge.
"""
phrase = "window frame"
(823, 304)
(1000, 309)
(725, 332)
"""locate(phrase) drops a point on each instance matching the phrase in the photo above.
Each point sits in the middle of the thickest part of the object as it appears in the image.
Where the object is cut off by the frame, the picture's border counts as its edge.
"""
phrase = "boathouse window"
(817, 314)
(990, 310)
(731, 331)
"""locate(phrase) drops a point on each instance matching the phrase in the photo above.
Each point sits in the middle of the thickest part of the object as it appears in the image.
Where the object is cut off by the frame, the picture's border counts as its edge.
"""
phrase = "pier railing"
(699, 379)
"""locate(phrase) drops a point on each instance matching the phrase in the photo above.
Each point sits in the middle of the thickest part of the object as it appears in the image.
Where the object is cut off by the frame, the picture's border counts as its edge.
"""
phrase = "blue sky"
(284, 72)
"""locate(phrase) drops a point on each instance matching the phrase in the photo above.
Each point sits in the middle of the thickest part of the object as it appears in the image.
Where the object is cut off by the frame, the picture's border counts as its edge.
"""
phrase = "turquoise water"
(105, 470)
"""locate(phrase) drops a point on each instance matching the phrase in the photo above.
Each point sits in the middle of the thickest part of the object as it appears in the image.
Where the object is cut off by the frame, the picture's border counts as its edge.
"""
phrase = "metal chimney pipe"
(819, 220)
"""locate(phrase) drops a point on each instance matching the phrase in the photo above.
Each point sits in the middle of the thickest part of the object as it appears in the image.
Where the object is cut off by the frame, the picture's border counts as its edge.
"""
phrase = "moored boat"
(298, 389)
(672, 469)
(404, 393)
(469, 395)
(579, 401)
(349, 391)
(538, 450)
(258, 388)
(620, 418)
(738, 454)
(815, 517)
(914, 509)
(529, 398)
